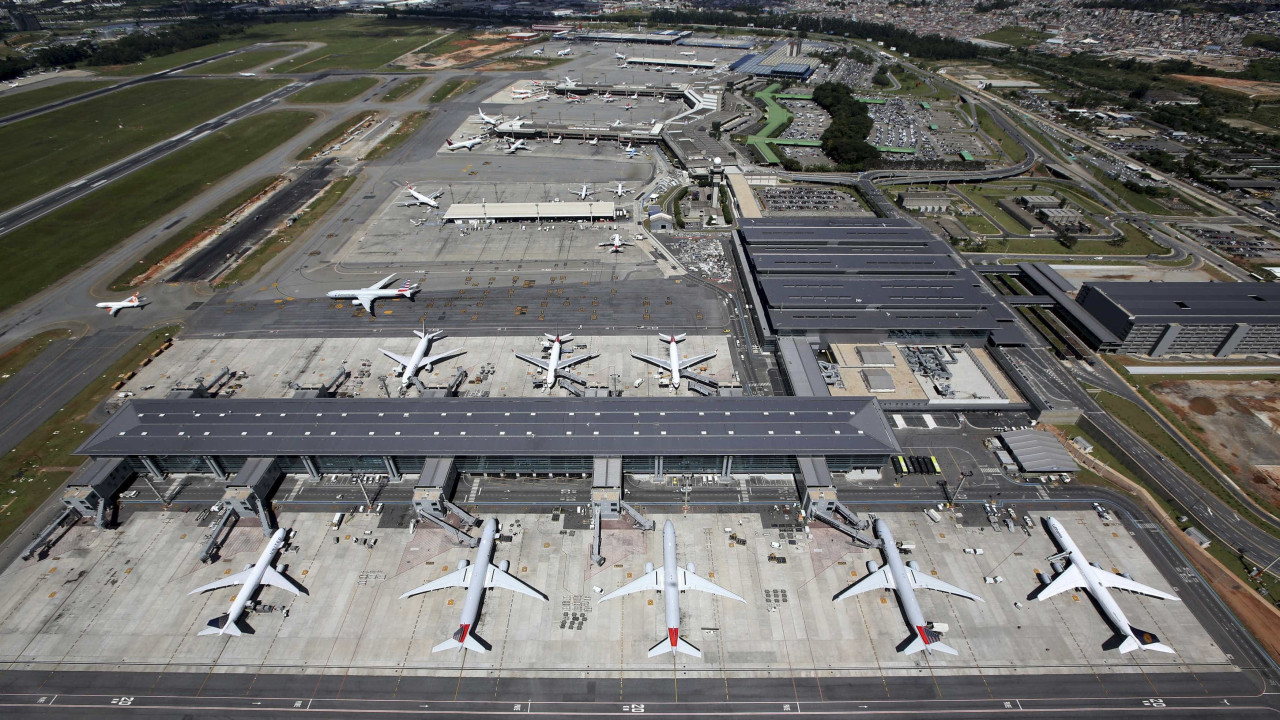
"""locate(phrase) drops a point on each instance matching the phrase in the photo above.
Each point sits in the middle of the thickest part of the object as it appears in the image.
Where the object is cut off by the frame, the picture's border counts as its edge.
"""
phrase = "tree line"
(845, 140)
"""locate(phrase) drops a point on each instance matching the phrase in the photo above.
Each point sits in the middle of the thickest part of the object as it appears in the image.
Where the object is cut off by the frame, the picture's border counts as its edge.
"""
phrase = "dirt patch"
(1252, 88)
(1202, 406)
(468, 50)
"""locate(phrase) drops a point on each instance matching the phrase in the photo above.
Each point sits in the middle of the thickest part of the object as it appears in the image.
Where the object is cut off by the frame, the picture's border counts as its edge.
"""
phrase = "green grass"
(978, 224)
(1016, 35)
(334, 92)
(993, 131)
(17, 100)
(446, 89)
(1137, 201)
(403, 88)
(47, 151)
(242, 61)
(164, 62)
(206, 222)
(253, 263)
(354, 43)
(54, 245)
(407, 128)
(24, 352)
(332, 136)
(30, 473)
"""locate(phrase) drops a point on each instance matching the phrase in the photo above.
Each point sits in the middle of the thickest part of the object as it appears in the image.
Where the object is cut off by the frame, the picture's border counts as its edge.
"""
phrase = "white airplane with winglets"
(566, 51)
(585, 192)
(608, 96)
(620, 56)
(632, 152)
(366, 297)
(559, 139)
(463, 144)
(252, 577)
(554, 364)
(573, 99)
(409, 366)
(1095, 581)
(620, 190)
(615, 243)
(673, 364)
(671, 580)
(489, 120)
(133, 301)
(420, 199)
(570, 82)
(538, 52)
(594, 141)
(516, 146)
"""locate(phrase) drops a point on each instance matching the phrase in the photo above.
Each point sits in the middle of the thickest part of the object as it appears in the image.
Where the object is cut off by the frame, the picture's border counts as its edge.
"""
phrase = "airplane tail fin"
(462, 638)
(929, 641)
(664, 646)
(1139, 639)
(220, 626)
(668, 338)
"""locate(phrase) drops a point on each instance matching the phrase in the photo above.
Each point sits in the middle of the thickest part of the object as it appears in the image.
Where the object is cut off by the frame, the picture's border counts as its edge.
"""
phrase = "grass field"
(48, 248)
(407, 128)
(356, 43)
(1016, 35)
(164, 62)
(47, 151)
(1137, 201)
(36, 467)
(403, 88)
(24, 352)
(334, 92)
(452, 87)
(332, 136)
(246, 60)
(994, 131)
(211, 219)
(16, 100)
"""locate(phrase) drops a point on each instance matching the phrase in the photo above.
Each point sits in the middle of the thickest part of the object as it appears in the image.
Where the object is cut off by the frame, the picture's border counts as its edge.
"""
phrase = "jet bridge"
(249, 491)
(607, 502)
(819, 500)
(93, 487)
(431, 497)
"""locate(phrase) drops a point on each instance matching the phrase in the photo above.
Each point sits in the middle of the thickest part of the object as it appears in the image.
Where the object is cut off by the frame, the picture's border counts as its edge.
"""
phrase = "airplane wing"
(690, 581)
(1070, 579)
(239, 578)
(564, 363)
(365, 301)
(382, 283)
(695, 360)
(404, 361)
(457, 578)
(499, 579)
(928, 582)
(535, 361)
(442, 356)
(113, 311)
(273, 578)
(648, 581)
(878, 580)
(1119, 582)
(651, 360)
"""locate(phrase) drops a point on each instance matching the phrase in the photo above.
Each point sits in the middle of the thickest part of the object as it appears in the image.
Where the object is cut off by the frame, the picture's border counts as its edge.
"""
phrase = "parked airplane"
(630, 148)
(573, 98)
(631, 153)
(620, 190)
(417, 223)
(248, 74)
(467, 144)
(538, 52)
(594, 141)
(905, 578)
(662, 99)
(555, 363)
(566, 51)
(616, 123)
(615, 243)
(252, 577)
(515, 146)
(487, 120)
(570, 82)
(133, 301)
(409, 366)
(620, 56)
(671, 580)
(544, 97)
(635, 95)
(608, 96)
(1095, 581)
(628, 107)
(420, 199)
(367, 296)
(559, 139)
(585, 192)
(476, 578)
(689, 53)
(673, 364)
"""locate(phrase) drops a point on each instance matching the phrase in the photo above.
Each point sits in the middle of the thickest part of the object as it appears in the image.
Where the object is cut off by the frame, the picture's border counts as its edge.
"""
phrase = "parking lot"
(808, 200)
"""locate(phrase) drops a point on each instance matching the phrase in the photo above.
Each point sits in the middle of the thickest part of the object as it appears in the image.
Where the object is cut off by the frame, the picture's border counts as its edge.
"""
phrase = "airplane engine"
(913, 564)
(464, 563)
(648, 567)
(689, 567)
(504, 565)
(872, 566)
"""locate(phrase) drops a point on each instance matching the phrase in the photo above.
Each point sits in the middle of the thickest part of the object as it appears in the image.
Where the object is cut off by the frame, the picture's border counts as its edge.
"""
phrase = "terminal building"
(591, 211)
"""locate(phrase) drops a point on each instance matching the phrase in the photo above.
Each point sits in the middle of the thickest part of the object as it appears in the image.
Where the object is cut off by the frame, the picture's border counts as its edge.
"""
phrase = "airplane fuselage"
(673, 351)
(1110, 609)
(419, 352)
(479, 571)
(255, 579)
(552, 363)
(906, 592)
(671, 583)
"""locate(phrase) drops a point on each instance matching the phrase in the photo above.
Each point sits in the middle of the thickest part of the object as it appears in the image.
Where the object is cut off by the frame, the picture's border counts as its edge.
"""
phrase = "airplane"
(522, 94)
(608, 96)
(419, 360)
(538, 52)
(555, 364)
(420, 199)
(620, 56)
(630, 148)
(635, 95)
(570, 82)
(133, 301)
(513, 147)
(1095, 581)
(468, 144)
(671, 580)
(693, 71)
(620, 190)
(252, 577)
(559, 139)
(616, 123)
(573, 98)
(417, 223)
(585, 192)
(615, 244)
(487, 120)
(905, 578)
(476, 578)
(628, 107)
(367, 296)
(662, 99)
(673, 364)
(248, 74)
(689, 53)
(566, 51)
(594, 141)
(544, 97)
(631, 152)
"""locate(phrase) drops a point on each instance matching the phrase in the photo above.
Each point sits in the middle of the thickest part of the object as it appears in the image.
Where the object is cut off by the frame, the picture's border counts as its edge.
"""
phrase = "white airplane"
(689, 53)
(616, 123)
(521, 94)
(538, 52)
(555, 363)
(615, 243)
(476, 578)
(409, 366)
(671, 580)
(631, 153)
(693, 71)
(620, 190)
(573, 98)
(513, 147)
(1095, 581)
(252, 577)
(628, 107)
(905, 579)
(559, 139)
(662, 99)
(487, 120)
(566, 51)
(635, 95)
(420, 199)
(608, 96)
(248, 74)
(463, 144)
(417, 223)
(367, 296)
(585, 192)
(630, 148)
(673, 364)
(620, 56)
(544, 97)
(133, 301)
(570, 82)
(594, 141)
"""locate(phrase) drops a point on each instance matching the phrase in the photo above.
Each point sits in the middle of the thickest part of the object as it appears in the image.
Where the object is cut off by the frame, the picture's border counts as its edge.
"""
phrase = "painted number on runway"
(122, 701)
(636, 708)
(1154, 702)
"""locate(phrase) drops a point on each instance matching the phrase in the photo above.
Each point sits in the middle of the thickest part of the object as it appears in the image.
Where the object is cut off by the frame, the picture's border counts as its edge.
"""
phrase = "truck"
(933, 514)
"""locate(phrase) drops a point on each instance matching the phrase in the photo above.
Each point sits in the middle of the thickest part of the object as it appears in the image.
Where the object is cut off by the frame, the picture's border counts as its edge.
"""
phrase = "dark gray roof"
(834, 230)
(1193, 302)
(453, 427)
(1037, 451)
(857, 261)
